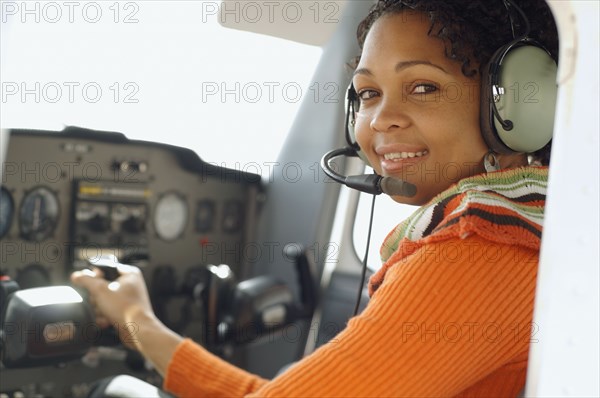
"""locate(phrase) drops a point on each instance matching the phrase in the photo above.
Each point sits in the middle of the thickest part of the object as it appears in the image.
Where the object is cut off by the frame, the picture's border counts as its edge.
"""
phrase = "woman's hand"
(123, 303)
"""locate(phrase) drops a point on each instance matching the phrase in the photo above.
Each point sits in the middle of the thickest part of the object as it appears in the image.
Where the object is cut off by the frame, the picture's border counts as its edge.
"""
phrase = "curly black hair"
(472, 30)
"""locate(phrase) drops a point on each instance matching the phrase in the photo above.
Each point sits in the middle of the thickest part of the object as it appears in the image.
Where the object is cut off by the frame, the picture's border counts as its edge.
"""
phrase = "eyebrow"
(400, 66)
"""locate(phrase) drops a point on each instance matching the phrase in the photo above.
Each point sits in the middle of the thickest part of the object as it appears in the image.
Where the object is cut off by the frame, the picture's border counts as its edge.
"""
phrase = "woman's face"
(419, 115)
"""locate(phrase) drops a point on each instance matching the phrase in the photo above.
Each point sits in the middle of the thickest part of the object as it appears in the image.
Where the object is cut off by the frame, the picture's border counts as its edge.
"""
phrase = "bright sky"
(154, 70)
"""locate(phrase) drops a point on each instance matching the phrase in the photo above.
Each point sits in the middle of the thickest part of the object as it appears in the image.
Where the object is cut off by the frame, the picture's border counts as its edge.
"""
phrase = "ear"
(512, 160)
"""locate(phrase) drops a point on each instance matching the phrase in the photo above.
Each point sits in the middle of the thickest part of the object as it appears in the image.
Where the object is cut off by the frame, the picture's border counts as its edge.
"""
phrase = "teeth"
(404, 155)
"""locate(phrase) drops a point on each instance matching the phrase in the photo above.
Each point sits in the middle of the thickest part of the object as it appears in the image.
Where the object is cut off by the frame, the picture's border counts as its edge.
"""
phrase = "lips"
(395, 157)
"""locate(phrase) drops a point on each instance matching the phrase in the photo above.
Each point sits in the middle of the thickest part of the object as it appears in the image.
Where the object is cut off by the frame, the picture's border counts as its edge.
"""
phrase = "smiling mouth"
(395, 156)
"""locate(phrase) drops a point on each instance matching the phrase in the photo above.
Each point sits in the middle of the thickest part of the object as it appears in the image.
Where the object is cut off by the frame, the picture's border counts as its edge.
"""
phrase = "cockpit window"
(157, 71)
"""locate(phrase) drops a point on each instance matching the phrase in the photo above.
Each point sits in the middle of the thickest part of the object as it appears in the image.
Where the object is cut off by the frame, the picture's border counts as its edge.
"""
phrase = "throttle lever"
(306, 273)
(108, 264)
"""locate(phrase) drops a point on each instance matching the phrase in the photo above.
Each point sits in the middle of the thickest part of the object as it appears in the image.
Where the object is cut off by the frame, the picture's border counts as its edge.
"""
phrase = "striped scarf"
(505, 207)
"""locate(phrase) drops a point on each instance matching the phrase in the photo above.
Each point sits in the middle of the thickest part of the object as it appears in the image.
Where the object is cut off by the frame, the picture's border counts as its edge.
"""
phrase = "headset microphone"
(370, 183)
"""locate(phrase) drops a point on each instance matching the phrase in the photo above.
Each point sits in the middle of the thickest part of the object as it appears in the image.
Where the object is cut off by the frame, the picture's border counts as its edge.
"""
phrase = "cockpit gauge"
(38, 214)
(233, 216)
(205, 215)
(7, 207)
(94, 215)
(170, 216)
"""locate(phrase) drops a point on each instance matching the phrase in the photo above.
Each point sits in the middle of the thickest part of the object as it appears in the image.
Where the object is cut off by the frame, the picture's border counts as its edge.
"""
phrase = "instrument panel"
(68, 197)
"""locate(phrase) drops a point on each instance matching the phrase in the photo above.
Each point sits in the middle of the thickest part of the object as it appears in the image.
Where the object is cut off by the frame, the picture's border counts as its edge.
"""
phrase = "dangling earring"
(491, 162)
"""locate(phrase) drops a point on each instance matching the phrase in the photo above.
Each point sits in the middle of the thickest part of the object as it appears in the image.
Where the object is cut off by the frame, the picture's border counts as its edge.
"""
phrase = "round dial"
(170, 216)
(7, 208)
(39, 214)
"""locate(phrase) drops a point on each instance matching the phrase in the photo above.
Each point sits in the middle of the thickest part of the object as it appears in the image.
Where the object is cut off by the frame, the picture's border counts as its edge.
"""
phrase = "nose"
(389, 116)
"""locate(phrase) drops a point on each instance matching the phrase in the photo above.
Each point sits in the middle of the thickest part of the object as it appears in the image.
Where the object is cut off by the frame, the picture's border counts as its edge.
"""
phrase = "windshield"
(163, 71)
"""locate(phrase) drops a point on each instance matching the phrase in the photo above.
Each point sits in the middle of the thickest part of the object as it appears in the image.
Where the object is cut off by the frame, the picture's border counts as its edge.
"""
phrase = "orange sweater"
(450, 313)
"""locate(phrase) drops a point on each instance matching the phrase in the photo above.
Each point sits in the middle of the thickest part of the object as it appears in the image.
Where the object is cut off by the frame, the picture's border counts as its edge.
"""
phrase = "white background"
(164, 55)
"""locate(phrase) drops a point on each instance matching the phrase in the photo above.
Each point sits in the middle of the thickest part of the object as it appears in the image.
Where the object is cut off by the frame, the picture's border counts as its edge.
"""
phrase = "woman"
(451, 309)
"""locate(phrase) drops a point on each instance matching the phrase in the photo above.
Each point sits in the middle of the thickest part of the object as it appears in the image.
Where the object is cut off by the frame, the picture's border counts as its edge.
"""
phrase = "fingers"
(91, 280)
(94, 279)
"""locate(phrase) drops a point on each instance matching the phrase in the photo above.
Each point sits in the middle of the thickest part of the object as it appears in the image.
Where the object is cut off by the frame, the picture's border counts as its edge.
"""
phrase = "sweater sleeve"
(445, 318)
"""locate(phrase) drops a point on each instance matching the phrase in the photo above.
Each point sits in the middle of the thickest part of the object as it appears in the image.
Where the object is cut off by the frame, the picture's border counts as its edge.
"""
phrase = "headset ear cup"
(486, 114)
(354, 143)
(351, 99)
(520, 81)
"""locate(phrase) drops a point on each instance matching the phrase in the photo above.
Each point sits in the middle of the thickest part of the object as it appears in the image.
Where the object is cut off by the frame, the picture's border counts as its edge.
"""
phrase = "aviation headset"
(510, 122)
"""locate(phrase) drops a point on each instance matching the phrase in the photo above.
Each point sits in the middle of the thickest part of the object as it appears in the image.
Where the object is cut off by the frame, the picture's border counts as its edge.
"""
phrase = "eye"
(424, 88)
(365, 95)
